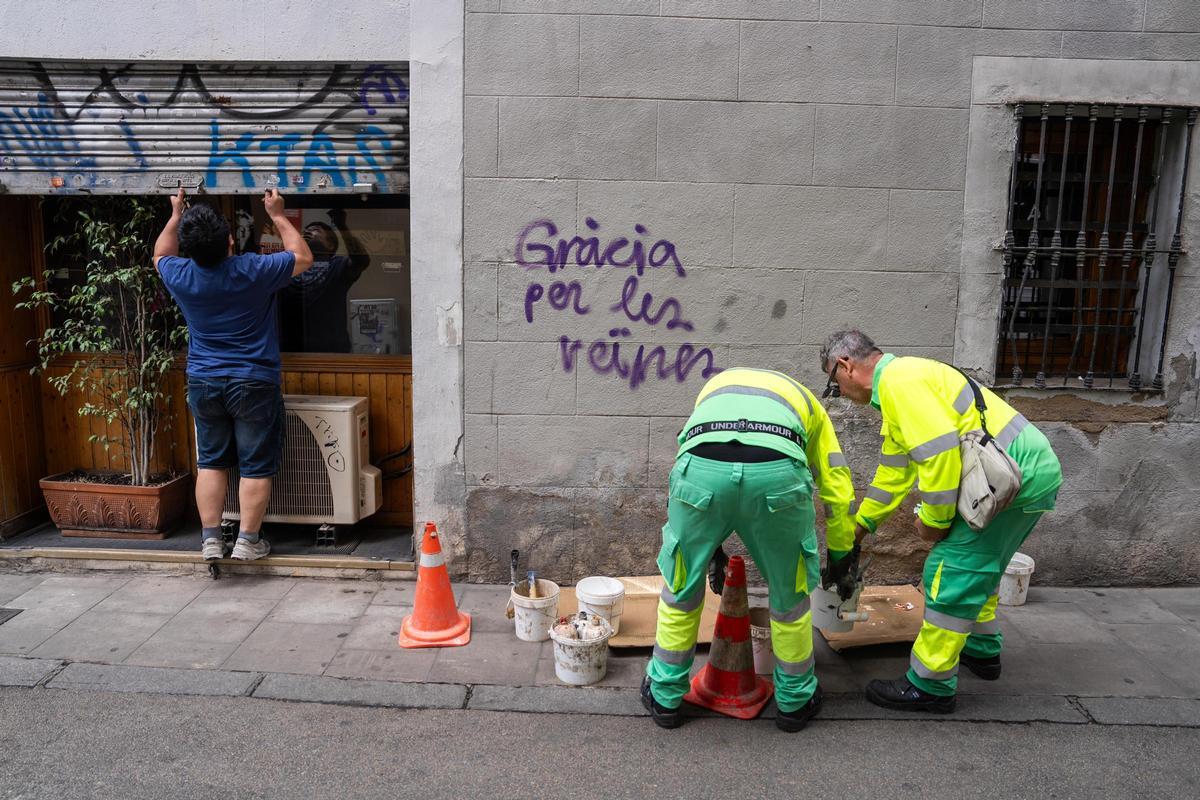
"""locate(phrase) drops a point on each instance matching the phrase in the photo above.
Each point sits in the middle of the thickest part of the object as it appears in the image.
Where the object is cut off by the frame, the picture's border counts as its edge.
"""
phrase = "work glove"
(842, 573)
(716, 570)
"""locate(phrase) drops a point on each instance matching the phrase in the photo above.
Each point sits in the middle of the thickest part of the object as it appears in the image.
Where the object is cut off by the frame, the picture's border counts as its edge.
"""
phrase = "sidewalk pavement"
(1098, 656)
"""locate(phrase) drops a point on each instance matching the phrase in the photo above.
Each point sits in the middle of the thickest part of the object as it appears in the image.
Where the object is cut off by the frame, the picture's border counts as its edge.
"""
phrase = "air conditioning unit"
(325, 478)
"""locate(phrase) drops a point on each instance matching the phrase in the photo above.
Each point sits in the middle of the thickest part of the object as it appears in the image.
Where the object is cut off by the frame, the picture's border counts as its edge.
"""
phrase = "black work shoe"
(901, 695)
(793, 721)
(986, 668)
(716, 570)
(663, 717)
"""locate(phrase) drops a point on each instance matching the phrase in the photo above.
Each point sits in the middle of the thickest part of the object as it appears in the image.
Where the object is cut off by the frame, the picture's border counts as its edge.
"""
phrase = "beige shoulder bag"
(990, 477)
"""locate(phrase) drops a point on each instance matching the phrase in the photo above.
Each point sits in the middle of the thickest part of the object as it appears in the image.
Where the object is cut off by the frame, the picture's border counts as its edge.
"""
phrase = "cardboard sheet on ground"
(890, 618)
(641, 611)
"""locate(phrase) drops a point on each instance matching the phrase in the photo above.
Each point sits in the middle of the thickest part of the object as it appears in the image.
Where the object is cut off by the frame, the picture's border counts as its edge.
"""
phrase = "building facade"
(609, 200)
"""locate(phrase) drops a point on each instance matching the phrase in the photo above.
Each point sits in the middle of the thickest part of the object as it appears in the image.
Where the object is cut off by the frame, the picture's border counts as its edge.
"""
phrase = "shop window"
(105, 232)
(1092, 243)
(355, 298)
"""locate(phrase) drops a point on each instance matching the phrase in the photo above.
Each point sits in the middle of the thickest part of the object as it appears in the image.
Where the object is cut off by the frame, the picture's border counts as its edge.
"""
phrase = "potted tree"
(112, 337)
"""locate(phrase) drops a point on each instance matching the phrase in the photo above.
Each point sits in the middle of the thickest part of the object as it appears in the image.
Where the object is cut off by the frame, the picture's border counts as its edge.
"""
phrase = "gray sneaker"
(250, 551)
(212, 549)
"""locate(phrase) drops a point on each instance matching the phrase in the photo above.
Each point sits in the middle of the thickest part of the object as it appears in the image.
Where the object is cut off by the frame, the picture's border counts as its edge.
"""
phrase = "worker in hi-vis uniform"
(927, 406)
(748, 458)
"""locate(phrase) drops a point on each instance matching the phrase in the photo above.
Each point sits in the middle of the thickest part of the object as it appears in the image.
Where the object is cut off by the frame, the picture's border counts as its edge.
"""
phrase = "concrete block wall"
(792, 166)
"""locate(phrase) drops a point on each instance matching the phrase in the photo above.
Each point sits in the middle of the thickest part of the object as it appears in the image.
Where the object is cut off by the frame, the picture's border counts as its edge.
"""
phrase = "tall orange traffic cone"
(435, 621)
(727, 684)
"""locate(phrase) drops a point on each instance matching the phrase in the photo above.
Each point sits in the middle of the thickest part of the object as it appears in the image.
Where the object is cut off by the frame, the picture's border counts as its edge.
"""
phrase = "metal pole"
(1148, 246)
(1055, 245)
(1010, 240)
(1118, 112)
(1035, 214)
(1176, 248)
(1127, 243)
(1081, 241)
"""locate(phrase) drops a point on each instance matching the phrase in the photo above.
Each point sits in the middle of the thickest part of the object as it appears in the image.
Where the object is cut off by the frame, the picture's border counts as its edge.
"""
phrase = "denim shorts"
(239, 423)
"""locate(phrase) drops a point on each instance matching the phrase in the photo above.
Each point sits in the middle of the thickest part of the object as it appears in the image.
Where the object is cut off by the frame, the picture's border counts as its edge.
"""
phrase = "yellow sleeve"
(831, 472)
(925, 425)
(894, 476)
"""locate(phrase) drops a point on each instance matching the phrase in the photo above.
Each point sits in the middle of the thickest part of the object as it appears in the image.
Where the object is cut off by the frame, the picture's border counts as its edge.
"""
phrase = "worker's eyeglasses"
(831, 387)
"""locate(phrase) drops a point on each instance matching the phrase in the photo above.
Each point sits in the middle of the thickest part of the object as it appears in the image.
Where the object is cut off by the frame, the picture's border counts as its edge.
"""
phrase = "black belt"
(735, 452)
(745, 426)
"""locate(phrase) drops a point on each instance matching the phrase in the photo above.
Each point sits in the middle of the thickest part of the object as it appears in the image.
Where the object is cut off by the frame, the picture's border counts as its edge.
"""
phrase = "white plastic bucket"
(533, 618)
(824, 606)
(604, 597)
(1015, 583)
(760, 640)
(579, 662)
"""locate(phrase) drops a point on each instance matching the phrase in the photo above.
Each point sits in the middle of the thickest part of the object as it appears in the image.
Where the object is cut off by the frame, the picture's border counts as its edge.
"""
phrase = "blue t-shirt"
(230, 313)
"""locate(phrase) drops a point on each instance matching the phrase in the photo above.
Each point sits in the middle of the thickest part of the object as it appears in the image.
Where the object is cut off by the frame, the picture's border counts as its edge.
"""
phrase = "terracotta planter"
(115, 512)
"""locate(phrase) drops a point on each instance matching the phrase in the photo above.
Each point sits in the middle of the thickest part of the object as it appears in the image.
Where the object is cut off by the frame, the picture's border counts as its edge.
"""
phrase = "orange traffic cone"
(435, 621)
(727, 684)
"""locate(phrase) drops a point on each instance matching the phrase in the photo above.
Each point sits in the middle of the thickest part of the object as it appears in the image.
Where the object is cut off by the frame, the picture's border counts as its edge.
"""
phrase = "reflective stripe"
(944, 498)
(751, 391)
(925, 672)
(938, 444)
(1009, 433)
(986, 628)
(828, 510)
(937, 581)
(965, 399)
(794, 613)
(795, 667)
(838, 460)
(894, 459)
(947, 622)
(432, 560)
(803, 392)
(879, 495)
(677, 657)
(672, 601)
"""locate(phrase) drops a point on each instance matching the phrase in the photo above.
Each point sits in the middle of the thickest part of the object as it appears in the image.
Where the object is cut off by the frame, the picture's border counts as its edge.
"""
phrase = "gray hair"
(853, 344)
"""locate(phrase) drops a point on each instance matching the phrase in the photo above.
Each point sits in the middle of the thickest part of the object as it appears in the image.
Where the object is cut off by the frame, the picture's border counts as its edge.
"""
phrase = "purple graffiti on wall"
(539, 246)
(534, 251)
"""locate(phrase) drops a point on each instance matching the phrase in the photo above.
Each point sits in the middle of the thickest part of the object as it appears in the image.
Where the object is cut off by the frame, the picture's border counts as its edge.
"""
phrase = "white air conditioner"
(325, 478)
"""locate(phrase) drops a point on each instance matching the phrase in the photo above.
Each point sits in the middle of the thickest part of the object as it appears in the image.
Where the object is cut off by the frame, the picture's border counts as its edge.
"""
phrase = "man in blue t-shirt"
(233, 359)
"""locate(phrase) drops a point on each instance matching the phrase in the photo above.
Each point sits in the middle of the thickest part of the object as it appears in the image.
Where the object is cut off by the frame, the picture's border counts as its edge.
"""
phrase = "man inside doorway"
(233, 367)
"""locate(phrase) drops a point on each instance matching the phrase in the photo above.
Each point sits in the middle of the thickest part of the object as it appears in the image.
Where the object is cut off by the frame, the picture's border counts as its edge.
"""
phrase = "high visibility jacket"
(772, 398)
(926, 406)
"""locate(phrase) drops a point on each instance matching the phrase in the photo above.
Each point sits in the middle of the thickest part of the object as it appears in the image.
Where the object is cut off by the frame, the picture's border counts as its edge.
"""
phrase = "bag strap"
(979, 404)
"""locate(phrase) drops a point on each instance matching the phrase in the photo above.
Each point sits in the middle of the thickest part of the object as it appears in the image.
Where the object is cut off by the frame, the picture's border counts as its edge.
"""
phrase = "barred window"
(1092, 243)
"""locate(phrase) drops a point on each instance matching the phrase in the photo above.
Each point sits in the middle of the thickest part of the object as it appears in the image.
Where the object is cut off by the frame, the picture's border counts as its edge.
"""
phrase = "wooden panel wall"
(22, 461)
(67, 433)
(386, 384)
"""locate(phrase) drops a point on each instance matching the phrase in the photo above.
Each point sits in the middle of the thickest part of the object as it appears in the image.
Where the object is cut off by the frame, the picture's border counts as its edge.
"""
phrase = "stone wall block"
(658, 57)
(519, 54)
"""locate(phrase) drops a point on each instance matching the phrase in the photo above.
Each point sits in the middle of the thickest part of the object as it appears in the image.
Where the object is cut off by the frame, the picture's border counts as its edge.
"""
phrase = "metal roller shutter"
(142, 127)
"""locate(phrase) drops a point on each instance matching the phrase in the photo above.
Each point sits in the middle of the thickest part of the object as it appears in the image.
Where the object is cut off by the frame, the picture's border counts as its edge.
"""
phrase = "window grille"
(1092, 241)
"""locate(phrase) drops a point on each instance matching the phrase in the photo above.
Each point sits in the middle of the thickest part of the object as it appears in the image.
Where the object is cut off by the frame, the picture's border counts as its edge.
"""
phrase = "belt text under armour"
(745, 426)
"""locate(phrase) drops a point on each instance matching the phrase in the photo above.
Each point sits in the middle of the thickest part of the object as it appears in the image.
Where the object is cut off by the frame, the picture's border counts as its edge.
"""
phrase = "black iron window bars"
(1081, 241)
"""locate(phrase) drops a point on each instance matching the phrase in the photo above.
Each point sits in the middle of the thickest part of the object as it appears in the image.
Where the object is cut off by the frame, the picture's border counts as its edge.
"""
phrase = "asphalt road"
(67, 744)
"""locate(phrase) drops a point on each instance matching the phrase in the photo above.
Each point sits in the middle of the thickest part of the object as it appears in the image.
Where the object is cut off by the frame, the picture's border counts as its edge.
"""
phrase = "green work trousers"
(962, 574)
(770, 506)
(962, 580)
